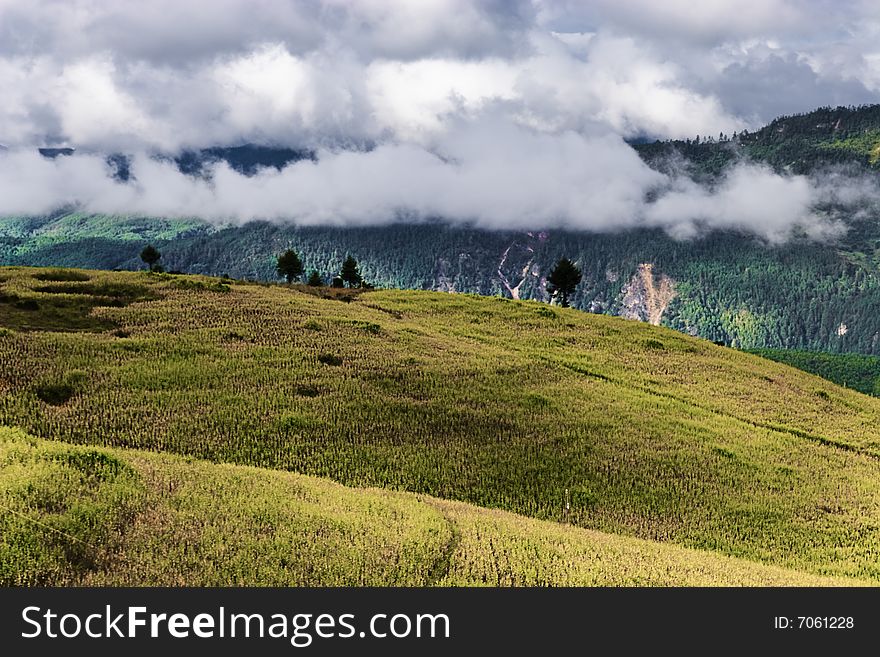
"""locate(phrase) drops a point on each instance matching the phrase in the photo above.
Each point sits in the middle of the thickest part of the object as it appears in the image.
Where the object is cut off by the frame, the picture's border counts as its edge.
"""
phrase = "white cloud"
(473, 173)
(167, 74)
(502, 113)
(414, 99)
(751, 198)
(704, 21)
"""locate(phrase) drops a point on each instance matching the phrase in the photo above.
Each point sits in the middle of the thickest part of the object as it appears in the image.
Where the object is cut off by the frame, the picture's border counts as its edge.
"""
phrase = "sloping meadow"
(587, 420)
(77, 515)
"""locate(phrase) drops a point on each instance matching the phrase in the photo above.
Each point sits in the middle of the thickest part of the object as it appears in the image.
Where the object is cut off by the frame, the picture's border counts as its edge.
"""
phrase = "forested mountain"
(727, 287)
(801, 143)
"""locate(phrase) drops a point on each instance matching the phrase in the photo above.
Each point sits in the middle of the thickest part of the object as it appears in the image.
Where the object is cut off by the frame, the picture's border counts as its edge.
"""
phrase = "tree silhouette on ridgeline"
(289, 266)
(563, 280)
(350, 273)
(150, 255)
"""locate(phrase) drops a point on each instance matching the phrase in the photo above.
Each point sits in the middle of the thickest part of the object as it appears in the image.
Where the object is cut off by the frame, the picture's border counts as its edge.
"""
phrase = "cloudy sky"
(502, 112)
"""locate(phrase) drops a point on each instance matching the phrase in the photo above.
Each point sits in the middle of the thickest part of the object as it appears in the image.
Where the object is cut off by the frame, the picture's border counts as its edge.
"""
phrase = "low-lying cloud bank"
(493, 175)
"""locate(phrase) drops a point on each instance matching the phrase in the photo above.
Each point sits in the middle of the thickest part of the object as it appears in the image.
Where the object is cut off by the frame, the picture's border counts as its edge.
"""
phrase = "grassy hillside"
(729, 287)
(857, 371)
(514, 405)
(86, 516)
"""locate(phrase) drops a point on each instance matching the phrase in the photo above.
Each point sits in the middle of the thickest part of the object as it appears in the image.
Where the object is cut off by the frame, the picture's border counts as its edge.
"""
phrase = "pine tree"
(315, 279)
(289, 266)
(150, 255)
(563, 280)
(350, 272)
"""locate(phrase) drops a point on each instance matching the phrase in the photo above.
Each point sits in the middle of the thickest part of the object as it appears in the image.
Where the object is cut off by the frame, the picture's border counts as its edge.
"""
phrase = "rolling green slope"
(520, 406)
(857, 371)
(73, 515)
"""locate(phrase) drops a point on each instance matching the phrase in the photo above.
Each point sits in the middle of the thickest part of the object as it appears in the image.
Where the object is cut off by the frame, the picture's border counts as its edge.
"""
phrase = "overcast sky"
(418, 80)
(166, 73)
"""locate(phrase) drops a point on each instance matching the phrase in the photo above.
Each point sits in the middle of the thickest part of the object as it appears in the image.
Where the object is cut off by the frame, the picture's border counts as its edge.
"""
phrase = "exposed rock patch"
(647, 296)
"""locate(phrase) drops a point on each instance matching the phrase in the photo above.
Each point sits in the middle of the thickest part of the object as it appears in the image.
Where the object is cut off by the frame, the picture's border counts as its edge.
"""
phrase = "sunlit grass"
(512, 405)
(78, 515)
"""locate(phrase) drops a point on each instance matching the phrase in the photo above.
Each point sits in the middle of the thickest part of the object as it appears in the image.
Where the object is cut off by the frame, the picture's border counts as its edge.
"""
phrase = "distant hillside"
(595, 421)
(801, 143)
(725, 287)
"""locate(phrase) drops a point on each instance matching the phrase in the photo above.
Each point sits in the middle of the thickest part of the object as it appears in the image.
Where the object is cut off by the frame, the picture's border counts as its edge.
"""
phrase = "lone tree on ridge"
(350, 272)
(150, 255)
(289, 266)
(563, 280)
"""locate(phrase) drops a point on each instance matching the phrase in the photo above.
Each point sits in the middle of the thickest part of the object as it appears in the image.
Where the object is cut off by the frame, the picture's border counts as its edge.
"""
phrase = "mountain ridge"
(729, 287)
